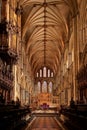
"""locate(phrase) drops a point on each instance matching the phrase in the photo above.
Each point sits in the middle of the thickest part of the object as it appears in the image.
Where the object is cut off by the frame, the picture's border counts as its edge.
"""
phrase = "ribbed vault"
(45, 31)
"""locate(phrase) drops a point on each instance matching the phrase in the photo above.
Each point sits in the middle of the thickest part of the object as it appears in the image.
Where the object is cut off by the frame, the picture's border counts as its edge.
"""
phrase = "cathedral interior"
(43, 64)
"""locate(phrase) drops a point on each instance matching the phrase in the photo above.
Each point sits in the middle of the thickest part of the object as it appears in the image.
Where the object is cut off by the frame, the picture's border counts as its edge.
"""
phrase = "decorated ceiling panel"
(45, 31)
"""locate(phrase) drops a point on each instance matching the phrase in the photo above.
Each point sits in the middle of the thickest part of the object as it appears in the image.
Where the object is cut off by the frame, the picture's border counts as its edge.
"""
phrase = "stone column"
(47, 87)
(75, 63)
(47, 73)
(41, 87)
(42, 72)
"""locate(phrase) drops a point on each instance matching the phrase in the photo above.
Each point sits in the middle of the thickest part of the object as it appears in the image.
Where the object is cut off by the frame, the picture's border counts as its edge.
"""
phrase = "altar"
(44, 98)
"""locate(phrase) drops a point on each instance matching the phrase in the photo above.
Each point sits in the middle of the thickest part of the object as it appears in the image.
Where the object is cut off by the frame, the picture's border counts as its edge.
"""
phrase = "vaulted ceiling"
(45, 31)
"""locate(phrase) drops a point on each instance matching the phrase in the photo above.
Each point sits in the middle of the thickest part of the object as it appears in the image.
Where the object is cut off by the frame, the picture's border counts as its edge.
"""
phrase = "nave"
(44, 123)
(43, 63)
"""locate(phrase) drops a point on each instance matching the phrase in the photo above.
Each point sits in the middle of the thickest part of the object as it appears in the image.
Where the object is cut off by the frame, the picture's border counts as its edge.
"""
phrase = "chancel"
(43, 64)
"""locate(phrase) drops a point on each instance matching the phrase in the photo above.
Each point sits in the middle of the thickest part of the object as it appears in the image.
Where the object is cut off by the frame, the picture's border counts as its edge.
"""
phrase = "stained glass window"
(44, 86)
(50, 87)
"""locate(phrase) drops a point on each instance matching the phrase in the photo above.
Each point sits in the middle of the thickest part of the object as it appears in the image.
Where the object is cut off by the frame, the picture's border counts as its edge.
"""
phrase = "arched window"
(48, 72)
(44, 86)
(51, 74)
(50, 87)
(37, 74)
(44, 72)
(40, 73)
(39, 85)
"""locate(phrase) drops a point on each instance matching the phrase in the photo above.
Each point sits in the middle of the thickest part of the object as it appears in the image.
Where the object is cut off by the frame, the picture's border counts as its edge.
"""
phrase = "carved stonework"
(13, 29)
(44, 98)
(6, 76)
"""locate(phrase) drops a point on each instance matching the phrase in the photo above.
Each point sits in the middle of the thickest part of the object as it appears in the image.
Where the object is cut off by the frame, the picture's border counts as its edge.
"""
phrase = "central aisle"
(44, 123)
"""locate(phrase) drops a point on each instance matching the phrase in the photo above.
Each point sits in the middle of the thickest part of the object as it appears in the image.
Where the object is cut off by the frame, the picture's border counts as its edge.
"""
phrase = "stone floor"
(44, 120)
(45, 123)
